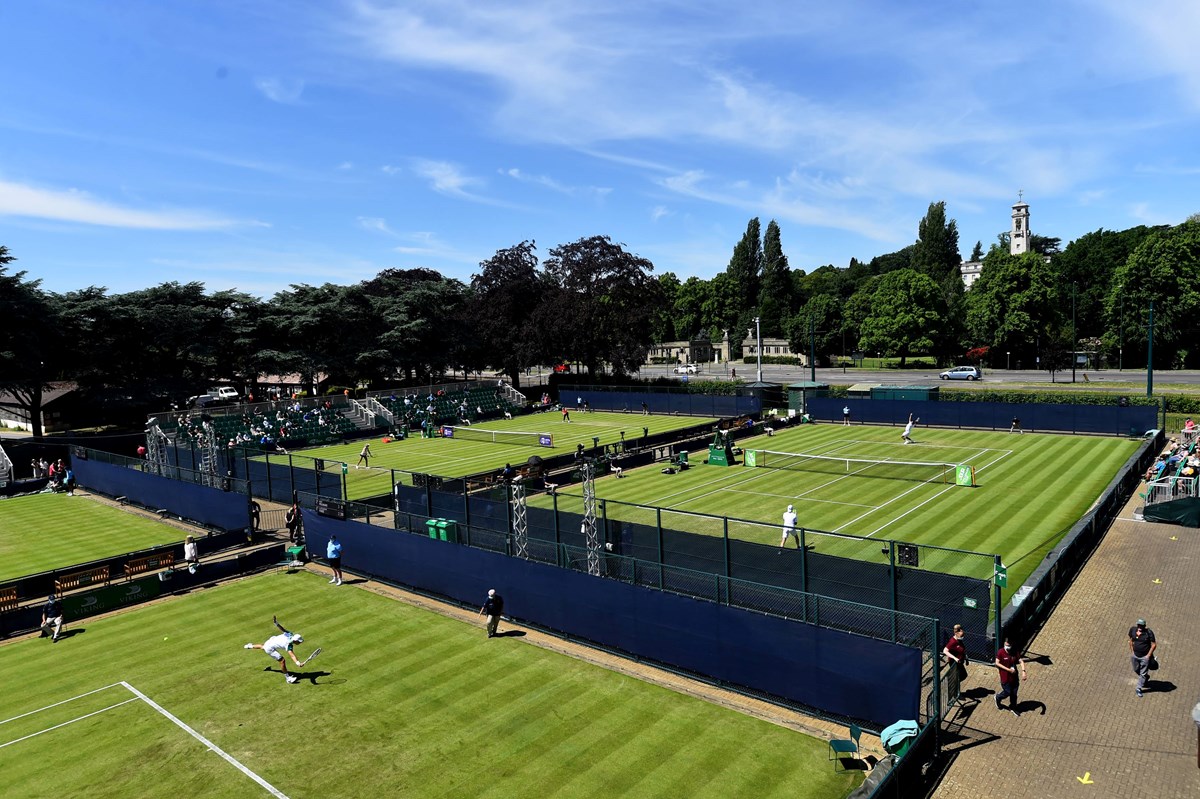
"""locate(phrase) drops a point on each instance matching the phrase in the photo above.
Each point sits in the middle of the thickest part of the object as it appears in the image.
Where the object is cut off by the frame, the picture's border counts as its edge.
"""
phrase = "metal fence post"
(996, 566)
(658, 526)
(725, 530)
(892, 576)
(292, 474)
(804, 573)
(557, 533)
(936, 715)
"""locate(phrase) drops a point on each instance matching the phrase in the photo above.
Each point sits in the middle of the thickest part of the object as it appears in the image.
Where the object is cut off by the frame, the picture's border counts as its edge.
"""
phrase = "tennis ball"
(164, 637)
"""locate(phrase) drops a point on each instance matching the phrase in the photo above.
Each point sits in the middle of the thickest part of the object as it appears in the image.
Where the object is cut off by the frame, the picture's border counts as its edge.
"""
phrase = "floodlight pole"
(1150, 355)
(1121, 331)
(1074, 341)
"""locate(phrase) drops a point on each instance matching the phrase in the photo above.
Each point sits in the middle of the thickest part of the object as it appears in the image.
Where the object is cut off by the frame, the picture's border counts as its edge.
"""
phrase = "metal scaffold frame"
(520, 520)
(590, 532)
(157, 444)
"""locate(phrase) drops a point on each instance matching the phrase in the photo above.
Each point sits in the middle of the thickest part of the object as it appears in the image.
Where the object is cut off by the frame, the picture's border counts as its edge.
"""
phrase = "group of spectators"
(1179, 460)
(263, 425)
(61, 478)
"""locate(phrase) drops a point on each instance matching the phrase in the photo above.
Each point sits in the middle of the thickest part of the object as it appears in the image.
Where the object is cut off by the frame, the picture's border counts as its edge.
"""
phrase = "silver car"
(962, 373)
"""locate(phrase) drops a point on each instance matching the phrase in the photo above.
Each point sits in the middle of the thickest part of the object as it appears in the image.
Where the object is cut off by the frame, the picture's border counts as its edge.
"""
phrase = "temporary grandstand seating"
(314, 424)
(446, 407)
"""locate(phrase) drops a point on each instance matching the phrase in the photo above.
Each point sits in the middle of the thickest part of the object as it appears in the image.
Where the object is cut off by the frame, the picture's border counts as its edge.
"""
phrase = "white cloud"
(427, 244)
(279, 90)
(72, 205)
(390, 171)
(375, 225)
(449, 179)
(552, 184)
(346, 165)
(658, 212)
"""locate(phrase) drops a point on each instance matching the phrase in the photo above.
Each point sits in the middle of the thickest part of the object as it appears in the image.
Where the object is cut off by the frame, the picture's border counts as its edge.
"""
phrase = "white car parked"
(687, 369)
(225, 393)
(962, 373)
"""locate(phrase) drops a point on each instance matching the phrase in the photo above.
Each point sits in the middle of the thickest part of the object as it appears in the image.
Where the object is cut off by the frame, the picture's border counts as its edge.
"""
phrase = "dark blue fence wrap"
(1110, 420)
(835, 671)
(662, 402)
(208, 506)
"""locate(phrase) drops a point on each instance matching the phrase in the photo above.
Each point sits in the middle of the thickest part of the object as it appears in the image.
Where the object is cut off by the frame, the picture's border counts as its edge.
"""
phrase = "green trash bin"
(448, 530)
(431, 527)
(682, 457)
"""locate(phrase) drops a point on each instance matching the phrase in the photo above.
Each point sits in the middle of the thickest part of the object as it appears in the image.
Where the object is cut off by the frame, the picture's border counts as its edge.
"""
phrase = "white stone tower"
(1018, 237)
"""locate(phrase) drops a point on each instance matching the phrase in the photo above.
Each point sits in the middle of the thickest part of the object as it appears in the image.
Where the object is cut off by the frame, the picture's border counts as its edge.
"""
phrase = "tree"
(420, 325)
(977, 252)
(664, 316)
(1015, 304)
(31, 347)
(818, 325)
(936, 250)
(688, 307)
(775, 292)
(1165, 269)
(745, 275)
(603, 311)
(504, 296)
(906, 315)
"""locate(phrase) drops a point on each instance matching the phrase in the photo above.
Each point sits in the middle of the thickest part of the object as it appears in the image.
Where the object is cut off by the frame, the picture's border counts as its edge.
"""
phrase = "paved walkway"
(1080, 716)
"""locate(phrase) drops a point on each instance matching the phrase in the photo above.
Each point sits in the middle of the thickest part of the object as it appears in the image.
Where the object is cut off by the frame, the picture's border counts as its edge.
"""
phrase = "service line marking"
(72, 721)
(56, 704)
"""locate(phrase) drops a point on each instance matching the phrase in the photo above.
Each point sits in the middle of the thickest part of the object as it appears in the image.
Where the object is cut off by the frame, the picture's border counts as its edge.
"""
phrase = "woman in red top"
(956, 651)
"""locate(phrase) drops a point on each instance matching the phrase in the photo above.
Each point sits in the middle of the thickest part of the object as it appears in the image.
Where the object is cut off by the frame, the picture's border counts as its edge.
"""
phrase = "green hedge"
(1019, 396)
(782, 360)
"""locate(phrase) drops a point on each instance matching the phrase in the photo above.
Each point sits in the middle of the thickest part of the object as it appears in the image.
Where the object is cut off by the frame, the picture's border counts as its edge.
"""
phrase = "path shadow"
(1029, 707)
(72, 632)
(1041, 660)
(510, 634)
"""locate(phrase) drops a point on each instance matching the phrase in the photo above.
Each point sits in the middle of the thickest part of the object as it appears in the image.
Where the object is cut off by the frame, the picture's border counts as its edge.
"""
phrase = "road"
(1128, 380)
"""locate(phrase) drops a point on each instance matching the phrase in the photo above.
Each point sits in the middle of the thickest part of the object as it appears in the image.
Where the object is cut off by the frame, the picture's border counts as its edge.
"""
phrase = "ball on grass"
(164, 637)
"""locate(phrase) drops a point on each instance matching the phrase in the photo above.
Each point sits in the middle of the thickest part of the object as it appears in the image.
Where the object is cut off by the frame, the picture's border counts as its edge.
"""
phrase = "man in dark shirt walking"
(1008, 659)
(1141, 649)
(493, 606)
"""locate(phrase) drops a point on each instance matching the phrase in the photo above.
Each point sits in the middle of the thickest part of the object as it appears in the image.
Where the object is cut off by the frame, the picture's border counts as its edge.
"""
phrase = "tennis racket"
(315, 652)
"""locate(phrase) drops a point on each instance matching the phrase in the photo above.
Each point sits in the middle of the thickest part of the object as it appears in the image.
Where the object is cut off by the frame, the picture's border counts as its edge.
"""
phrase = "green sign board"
(964, 475)
(968, 602)
(1002, 576)
(110, 597)
(752, 457)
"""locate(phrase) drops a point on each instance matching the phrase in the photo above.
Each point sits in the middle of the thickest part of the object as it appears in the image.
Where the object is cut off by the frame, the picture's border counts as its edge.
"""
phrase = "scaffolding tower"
(157, 444)
(210, 454)
(590, 534)
(7, 472)
(520, 519)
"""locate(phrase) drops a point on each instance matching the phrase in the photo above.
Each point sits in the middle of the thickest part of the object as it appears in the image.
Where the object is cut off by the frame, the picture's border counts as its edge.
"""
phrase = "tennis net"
(498, 436)
(917, 471)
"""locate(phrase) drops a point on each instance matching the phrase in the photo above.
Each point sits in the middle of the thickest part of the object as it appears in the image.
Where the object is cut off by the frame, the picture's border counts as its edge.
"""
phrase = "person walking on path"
(364, 456)
(493, 606)
(846, 416)
(955, 650)
(789, 527)
(1008, 660)
(1141, 651)
(907, 434)
(333, 555)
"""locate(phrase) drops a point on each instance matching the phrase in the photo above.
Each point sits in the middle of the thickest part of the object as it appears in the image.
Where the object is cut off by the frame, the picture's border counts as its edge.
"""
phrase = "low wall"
(1110, 420)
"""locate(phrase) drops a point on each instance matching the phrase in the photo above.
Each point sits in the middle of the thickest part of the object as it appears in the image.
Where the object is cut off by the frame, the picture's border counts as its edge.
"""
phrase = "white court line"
(935, 496)
(228, 758)
(72, 721)
(56, 704)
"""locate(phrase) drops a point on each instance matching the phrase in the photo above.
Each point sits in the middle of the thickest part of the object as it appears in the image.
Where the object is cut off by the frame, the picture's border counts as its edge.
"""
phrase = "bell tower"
(1018, 237)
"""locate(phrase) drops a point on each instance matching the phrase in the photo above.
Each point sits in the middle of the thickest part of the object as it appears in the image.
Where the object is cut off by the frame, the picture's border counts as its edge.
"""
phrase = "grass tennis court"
(54, 531)
(456, 458)
(402, 702)
(1030, 490)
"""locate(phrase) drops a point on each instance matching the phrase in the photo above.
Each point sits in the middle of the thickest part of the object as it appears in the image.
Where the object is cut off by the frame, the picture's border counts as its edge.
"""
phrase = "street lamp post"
(1150, 355)
(1008, 360)
(758, 338)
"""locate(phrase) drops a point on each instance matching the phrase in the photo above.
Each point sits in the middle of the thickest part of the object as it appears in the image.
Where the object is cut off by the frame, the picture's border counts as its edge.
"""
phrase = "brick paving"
(1079, 710)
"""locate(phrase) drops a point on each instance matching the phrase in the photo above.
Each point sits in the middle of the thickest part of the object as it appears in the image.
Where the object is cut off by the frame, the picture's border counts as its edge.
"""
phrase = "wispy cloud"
(375, 225)
(554, 185)
(72, 205)
(658, 212)
(279, 90)
(427, 244)
(390, 170)
(449, 179)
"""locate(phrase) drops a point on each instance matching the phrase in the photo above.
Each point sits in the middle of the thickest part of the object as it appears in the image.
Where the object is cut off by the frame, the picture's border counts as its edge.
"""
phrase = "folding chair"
(840, 747)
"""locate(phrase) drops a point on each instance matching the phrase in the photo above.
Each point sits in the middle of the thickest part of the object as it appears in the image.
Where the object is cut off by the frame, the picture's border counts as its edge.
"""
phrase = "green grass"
(403, 703)
(451, 458)
(1031, 489)
(53, 531)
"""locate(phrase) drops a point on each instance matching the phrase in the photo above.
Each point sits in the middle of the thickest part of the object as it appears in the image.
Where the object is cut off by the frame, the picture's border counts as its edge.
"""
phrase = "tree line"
(594, 303)
(1023, 309)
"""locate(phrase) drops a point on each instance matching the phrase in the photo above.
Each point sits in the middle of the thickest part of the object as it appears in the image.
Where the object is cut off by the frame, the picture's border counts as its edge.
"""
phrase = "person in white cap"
(493, 606)
(277, 645)
(789, 527)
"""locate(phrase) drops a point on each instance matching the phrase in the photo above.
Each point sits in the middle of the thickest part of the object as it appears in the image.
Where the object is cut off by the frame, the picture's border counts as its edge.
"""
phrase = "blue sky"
(256, 145)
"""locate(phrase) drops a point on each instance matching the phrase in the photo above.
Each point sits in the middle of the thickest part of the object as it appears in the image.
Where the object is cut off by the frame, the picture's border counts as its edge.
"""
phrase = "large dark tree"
(603, 310)
(745, 279)
(906, 315)
(1015, 306)
(31, 349)
(936, 250)
(504, 297)
(775, 297)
